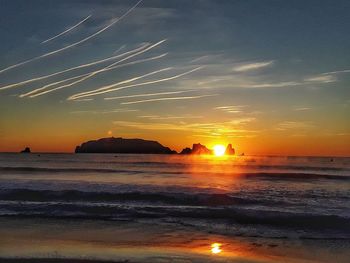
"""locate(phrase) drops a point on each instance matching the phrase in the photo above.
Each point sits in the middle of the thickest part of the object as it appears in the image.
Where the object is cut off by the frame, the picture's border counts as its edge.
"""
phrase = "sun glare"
(219, 150)
(216, 248)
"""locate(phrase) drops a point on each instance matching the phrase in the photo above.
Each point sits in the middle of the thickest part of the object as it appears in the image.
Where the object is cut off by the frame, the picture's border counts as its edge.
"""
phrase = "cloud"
(168, 98)
(231, 108)
(337, 72)
(201, 128)
(302, 108)
(253, 66)
(103, 111)
(322, 79)
(272, 85)
(243, 120)
(147, 94)
(157, 117)
(291, 125)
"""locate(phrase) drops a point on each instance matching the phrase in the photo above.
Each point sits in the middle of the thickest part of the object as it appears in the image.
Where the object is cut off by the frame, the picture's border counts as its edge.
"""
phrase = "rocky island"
(120, 145)
(141, 146)
(200, 149)
(197, 148)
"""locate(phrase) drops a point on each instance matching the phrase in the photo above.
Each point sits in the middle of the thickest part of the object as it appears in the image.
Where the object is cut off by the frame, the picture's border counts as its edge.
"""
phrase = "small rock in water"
(26, 150)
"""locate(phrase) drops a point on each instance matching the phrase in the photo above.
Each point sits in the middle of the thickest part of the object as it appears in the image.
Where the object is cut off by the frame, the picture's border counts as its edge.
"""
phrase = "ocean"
(173, 208)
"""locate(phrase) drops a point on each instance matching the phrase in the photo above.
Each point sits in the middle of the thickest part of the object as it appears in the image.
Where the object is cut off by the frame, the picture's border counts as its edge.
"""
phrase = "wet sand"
(84, 241)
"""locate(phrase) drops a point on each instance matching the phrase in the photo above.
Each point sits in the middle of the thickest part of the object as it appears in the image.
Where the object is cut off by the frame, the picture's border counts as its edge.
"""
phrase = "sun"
(219, 150)
(216, 248)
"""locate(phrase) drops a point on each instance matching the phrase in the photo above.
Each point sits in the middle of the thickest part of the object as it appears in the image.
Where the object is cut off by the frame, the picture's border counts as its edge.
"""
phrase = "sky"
(271, 77)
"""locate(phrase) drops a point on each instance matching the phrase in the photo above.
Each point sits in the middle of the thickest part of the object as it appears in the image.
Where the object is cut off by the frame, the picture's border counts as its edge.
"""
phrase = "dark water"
(268, 197)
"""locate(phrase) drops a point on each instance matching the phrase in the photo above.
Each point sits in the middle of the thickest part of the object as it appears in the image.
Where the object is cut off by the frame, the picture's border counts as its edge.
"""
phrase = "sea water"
(289, 198)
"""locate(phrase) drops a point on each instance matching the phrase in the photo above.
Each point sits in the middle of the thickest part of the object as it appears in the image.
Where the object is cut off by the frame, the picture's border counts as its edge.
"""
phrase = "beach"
(163, 208)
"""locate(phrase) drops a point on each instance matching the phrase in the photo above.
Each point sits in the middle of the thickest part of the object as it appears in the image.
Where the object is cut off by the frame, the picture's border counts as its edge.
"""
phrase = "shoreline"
(95, 241)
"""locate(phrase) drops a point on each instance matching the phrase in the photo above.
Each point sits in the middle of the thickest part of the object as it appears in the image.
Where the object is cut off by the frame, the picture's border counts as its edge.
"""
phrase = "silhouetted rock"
(186, 151)
(197, 148)
(120, 145)
(229, 150)
(26, 150)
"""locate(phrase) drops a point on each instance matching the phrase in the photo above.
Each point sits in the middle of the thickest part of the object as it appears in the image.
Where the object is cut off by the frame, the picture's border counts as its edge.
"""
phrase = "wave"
(63, 170)
(275, 175)
(173, 198)
(211, 215)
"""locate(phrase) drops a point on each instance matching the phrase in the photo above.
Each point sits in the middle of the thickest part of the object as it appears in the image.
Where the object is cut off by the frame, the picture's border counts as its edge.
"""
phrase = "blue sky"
(273, 74)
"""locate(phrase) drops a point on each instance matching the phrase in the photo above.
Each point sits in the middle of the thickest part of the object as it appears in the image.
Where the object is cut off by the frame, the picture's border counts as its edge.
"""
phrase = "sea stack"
(229, 150)
(197, 148)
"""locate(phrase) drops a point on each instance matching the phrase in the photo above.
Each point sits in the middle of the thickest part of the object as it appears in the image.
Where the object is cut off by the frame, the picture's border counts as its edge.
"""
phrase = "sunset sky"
(270, 77)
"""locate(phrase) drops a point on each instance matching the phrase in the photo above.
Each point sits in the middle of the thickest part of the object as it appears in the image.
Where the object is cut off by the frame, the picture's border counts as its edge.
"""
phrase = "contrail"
(66, 31)
(108, 87)
(49, 85)
(82, 75)
(148, 94)
(167, 98)
(111, 65)
(74, 44)
(132, 85)
(122, 47)
(73, 68)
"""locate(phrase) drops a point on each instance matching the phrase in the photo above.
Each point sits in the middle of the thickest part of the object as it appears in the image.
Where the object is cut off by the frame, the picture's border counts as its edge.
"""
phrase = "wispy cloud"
(302, 108)
(337, 72)
(253, 66)
(272, 85)
(148, 95)
(104, 111)
(322, 79)
(168, 98)
(217, 128)
(243, 120)
(289, 125)
(157, 117)
(231, 108)
(203, 129)
(81, 100)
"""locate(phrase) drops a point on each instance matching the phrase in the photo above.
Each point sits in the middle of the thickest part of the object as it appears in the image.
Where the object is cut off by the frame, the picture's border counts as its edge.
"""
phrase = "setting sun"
(219, 150)
(216, 248)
